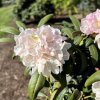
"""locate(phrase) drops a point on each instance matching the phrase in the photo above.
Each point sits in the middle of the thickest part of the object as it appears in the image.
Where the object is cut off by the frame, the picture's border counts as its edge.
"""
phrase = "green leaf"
(11, 30)
(13, 56)
(93, 78)
(72, 55)
(44, 20)
(36, 83)
(20, 24)
(75, 96)
(61, 94)
(68, 67)
(67, 24)
(21, 59)
(67, 31)
(42, 94)
(88, 42)
(77, 40)
(93, 95)
(58, 86)
(76, 22)
(94, 54)
(86, 90)
(84, 62)
(7, 40)
(27, 69)
(3, 34)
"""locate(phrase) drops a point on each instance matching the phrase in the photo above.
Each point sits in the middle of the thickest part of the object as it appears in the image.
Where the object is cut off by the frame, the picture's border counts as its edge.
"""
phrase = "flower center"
(36, 39)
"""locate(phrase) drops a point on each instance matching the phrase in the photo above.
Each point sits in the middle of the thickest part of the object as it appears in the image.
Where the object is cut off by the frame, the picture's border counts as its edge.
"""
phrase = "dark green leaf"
(94, 54)
(42, 94)
(7, 40)
(44, 20)
(75, 96)
(27, 69)
(36, 83)
(77, 40)
(72, 55)
(76, 22)
(84, 62)
(67, 67)
(11, 30)
(20, 24)
(88, 42)
(93, 78)
(61, 94)
(67, 31)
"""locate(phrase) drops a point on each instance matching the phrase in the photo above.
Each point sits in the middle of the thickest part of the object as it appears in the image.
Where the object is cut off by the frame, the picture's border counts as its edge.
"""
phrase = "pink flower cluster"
(42, 49)
(91, 24)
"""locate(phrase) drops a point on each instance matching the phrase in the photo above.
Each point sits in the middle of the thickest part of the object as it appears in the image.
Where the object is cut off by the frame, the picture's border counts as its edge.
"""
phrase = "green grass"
(5, 18)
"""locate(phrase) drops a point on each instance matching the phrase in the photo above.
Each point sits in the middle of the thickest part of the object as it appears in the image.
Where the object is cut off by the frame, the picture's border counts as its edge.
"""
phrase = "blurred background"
(13, 84)
(24, 10)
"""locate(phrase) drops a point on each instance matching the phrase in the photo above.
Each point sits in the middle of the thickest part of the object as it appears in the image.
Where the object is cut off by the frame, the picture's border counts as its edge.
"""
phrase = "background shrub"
(38, 8)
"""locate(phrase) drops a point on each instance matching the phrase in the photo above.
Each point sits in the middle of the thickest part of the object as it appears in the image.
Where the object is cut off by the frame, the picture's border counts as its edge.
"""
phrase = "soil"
(13, 83)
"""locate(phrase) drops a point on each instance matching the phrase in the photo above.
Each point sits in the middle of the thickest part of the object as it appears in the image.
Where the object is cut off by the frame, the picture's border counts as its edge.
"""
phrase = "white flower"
(96, 89)
(42, 49)
(27, 42)
(97, 39)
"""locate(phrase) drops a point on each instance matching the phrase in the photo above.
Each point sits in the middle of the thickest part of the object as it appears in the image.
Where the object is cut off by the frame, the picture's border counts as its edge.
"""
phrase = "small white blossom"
(97, 39)
(96, 89)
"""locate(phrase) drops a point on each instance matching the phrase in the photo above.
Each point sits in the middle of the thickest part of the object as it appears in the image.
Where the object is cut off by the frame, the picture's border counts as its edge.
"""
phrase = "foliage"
(32, 9)
(5, 20)
(38, 8)
(88, 6)
(84, 58)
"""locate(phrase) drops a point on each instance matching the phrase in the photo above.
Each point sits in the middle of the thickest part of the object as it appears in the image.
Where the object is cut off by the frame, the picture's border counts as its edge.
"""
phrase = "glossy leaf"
(68, 67)
(42, 94)
(77, 40)
(44, 20)
(20, 24)
(27, 70)
(93, 78)
(7, 40)
(36, 83)
(61, 94)
(75, 96)
(76, 22)
(84, 62)
(72, 55)
(55, 89)
(11, 30)
(68, 32)
(94, 54)
(88, 42)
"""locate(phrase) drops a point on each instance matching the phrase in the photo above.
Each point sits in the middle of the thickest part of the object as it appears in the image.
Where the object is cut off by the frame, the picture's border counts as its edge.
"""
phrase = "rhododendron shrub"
(64, 60)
